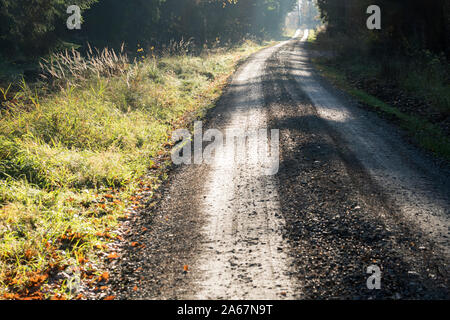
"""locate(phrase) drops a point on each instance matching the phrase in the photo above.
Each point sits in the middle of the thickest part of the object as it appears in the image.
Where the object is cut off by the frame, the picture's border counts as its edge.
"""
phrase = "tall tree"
(28, 26)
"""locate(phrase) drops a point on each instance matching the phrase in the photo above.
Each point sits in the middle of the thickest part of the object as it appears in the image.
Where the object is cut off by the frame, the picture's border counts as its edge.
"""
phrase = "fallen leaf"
(10, 296)
(113, 255)
(104, 277)
(82, 260)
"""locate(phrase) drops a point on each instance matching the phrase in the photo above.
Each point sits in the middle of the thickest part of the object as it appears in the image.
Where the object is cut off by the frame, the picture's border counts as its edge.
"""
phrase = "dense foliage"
(34, 27)
(406, 24)
(401, 69)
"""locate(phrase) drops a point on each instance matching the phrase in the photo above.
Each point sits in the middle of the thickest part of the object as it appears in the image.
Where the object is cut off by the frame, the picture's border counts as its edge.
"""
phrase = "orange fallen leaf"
(110, 298)
(134, 244)
(135, 288)
(104, 277)
(186, 268)
(113, 256)
(82, 260)
(10, 296)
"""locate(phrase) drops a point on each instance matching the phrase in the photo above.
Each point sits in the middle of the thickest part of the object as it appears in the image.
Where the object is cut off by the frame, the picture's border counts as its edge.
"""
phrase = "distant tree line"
(406, 24)
(35, 27)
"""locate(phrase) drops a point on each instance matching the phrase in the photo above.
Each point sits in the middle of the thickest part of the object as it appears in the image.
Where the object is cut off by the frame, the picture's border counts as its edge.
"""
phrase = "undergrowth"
(418, 82)
(426, 134)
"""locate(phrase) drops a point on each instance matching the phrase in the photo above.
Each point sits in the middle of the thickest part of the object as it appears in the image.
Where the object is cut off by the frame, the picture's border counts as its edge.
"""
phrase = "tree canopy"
(29, 26)
(34, 27)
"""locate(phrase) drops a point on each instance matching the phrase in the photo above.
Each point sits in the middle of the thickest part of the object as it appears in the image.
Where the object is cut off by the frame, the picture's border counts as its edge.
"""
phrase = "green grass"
(71, 160)
(312, 36)
(430, 85)
(420, 73)
(426, 134)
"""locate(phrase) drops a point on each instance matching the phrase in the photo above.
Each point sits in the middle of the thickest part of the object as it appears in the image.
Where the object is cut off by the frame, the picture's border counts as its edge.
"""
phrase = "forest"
(406, 25)
(404, 64)
(30, 28)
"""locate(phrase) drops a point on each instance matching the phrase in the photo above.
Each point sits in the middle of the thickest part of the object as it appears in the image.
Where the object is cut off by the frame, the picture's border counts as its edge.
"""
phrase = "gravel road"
(350, 193)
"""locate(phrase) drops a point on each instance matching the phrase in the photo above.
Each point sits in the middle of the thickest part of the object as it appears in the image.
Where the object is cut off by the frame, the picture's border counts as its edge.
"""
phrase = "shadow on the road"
(338, 219)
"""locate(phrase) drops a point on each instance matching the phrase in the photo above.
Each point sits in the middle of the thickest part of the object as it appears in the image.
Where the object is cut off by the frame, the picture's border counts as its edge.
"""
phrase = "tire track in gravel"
(338, 219)
(245, 253)
(223, 219)
(419, 188)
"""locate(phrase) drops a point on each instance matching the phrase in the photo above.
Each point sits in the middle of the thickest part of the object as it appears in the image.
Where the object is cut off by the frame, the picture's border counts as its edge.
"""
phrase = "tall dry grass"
(71, 68)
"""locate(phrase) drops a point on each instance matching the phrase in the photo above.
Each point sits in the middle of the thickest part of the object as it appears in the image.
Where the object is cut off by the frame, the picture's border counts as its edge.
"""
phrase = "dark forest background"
(406, 24)
(34, 27)
(401, 71)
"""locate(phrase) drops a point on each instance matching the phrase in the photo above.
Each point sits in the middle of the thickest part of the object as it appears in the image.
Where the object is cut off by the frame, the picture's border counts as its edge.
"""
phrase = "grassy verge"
(426, 134)
(71, 160)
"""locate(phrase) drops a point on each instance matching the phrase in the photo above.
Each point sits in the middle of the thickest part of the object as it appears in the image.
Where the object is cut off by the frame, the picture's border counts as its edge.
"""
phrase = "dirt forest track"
(349, 193)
